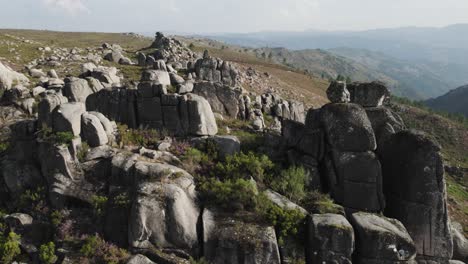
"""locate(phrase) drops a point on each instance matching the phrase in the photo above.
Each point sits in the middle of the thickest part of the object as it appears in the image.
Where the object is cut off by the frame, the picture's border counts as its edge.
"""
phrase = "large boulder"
(225, 145)
(156, 77)
(92, 130)
(49, 102)
(201, 118)
(67, 118)
(338, 93)
(228, 239)
(368, 94)
(64, 176)
(106, 75)
(9, 77)
(164, 213)
(415, 192)
(355, 180)
(330, 239)
(382, 240)
(76, 89)
(347, 127)
(222, 98)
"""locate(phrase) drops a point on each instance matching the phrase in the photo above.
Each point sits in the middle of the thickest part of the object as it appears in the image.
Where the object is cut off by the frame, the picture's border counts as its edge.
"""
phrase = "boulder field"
(388, 181)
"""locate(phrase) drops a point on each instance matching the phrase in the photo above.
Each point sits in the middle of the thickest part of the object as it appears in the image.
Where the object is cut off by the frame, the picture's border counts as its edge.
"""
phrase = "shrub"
(9, 247)
(122, 200)
(99, 251)
(319, 203)
(4, 146)
(56, 218)
(195, 161)
(244, 166)
(199, 261)
(33, 199)
(179, 148)
(83, 151)
(287, 222)
(58, 138)
(227, 194)
(98, 203)
(291, 183)
(148, 138)
(47, 253)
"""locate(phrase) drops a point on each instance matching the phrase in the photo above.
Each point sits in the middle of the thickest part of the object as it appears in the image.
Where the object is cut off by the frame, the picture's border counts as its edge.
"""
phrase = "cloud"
(70, 6)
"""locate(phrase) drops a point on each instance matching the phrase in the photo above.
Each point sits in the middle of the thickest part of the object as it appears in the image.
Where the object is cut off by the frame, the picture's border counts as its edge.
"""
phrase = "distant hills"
(455, 101)
(418, 63)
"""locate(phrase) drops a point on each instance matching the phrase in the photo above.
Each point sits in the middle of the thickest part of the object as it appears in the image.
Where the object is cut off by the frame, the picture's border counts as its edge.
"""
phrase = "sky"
(228, 16)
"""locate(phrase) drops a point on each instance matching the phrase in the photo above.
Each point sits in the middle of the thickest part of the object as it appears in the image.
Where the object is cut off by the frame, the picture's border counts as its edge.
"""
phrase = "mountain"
(455, 101)
(435, 57)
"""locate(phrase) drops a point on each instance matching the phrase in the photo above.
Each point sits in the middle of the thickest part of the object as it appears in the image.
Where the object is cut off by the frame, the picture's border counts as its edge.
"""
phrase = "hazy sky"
(203, 16)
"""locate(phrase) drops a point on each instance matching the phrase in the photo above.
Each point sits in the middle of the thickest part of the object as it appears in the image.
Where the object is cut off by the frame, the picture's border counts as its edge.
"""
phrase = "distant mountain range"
(455, 101)
(418, 63)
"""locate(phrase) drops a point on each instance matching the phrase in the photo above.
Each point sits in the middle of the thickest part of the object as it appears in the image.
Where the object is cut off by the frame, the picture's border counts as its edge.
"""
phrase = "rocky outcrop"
(460, 243)
(330, 239)
(164, 213)
(215, 70)
(381, 240)
(408, 160)
(228, 239)
(223, 99)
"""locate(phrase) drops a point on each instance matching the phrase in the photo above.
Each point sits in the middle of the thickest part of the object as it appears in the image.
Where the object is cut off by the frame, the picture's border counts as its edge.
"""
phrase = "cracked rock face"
(164, 213)
(338, 93)
(414, 187)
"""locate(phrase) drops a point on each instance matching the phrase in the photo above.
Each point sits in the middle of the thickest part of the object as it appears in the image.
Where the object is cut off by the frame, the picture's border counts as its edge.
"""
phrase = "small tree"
(9, 247)
(47, 253)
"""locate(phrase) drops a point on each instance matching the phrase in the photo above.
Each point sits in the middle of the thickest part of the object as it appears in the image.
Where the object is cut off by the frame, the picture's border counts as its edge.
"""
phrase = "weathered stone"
(113, 56)
(76, 90)
(156, 77)
(8, 77)
(460, 243)
(107, 75)
(139, 259)
(414, 187)
(37, 73)
(92, 131)
(330, 239)
(176, 79)
(368, 94)
(338, 93)
(125, 61)
(160, 65)
(164, 213)
(67, 118)
(141, 59)
(356, 182)
(106, 124)
(229, 239)
(381, 240)
(201, 118)
(117, 104)
(18, 220)
(384, 123)
(347, 127)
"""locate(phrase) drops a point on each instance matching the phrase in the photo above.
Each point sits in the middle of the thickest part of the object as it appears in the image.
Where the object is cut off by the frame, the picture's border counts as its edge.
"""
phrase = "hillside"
(115, 148)
(455, 101)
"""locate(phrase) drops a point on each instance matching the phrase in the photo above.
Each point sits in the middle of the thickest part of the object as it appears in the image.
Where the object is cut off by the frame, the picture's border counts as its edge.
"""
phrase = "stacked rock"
(353, 172)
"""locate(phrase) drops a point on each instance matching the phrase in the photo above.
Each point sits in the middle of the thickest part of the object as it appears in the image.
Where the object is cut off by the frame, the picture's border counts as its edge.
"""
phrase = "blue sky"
(207, 16)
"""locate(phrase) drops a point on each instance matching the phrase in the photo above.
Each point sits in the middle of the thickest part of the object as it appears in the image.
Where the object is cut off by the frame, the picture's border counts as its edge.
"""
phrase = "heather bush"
(96, 250)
